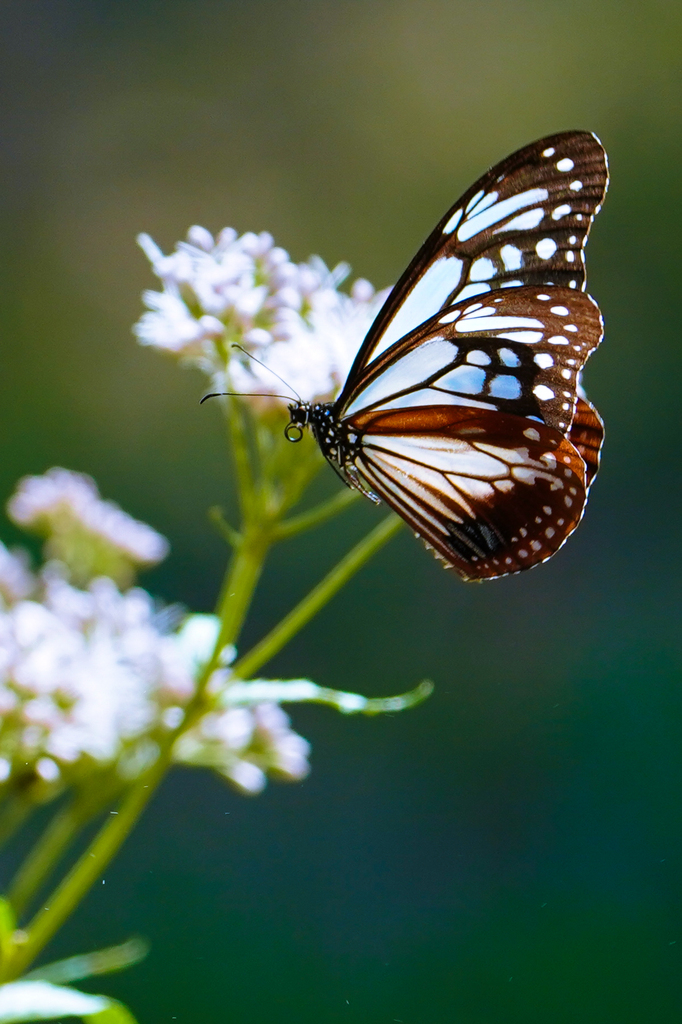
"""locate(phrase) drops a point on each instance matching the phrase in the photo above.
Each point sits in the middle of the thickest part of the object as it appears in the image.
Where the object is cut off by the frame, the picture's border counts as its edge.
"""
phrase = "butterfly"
(463, 410)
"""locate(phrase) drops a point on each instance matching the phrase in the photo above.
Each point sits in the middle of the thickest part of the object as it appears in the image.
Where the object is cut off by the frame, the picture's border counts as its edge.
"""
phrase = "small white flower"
(244, 744)
(246, 776)
(89, 535)
(16, 581)
(246, 290)
(87, 679)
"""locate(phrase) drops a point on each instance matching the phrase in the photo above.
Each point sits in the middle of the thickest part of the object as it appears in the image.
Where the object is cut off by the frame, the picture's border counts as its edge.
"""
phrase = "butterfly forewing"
(525, 222)
(518, 351)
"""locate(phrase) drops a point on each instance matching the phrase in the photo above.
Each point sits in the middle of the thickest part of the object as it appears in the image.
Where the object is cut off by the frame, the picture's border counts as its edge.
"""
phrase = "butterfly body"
(463, 410)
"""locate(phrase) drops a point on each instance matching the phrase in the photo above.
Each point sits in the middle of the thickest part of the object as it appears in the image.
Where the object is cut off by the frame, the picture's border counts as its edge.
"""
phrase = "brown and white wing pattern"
(525, 222)
(518, 351)
(587, 436)
(492, 495)
(472, 428)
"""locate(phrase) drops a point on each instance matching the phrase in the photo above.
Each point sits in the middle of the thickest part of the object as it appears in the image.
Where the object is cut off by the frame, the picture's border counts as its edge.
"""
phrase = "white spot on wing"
(453, 222)
(478, 358)
(565, 165)
(467, 379)
(470, 485)
(544, 360)
(560, 211)
(559, 310)
(526, 337)
(474, 199)
(470, 290)
(454, 457)
(450, 317)
(495, 323)
(505, 386)
(482, 269)
(546, 248)
(425, 299)
(549, 152)
(498, 211)
(511, 257)
(483, 203)
(508, 357)
(424, 396)
(575, 186)
(524, 222)
(543, 392)
(413, 367)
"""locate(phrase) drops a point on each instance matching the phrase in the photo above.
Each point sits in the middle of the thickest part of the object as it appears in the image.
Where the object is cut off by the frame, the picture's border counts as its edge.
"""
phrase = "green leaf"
(7, 926)
(102, 961)
(115, 1013)
(7, 919)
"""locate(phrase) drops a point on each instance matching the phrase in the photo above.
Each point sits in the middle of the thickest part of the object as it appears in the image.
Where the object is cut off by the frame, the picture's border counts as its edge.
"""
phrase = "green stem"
(304, 611)
(241, 580)
(13, 816)
(227, 532)
(237, 592)
(316, 516)
(86, 870)
(50, 847)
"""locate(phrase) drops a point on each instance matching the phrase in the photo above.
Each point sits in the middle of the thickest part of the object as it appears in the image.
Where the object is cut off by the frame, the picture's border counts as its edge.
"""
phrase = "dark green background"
(509, 852)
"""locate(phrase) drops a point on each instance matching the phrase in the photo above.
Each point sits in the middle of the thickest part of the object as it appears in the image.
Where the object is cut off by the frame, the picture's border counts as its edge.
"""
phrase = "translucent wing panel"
(492, 495)
(518, 351)
(525, 222)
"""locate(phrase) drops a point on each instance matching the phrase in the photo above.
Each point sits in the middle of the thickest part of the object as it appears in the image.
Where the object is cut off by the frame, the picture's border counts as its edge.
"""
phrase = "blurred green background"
(511, 851)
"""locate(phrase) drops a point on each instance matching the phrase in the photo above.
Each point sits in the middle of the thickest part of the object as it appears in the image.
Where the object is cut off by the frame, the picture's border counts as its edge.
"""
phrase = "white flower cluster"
(246, 290)
(91, 681)
(244, 744)
(91, 536)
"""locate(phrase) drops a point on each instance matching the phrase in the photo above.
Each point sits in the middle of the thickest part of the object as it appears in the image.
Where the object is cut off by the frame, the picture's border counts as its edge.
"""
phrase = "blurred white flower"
(245, 744)
(90, 681)
(90, 536)
(16, 580)
(246, 290)
(86, 681)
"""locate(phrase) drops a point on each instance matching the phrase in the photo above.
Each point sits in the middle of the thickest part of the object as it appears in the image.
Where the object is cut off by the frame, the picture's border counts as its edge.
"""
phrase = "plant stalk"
(304, 611)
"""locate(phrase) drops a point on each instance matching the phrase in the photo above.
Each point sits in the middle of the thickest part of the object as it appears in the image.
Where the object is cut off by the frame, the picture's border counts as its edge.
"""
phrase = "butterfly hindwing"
(587, 436)
(491, 493)
(525, 222)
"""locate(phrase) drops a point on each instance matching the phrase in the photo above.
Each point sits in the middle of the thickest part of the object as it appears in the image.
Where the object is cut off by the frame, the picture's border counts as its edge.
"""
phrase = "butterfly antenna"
(243, 394)
(286, 384)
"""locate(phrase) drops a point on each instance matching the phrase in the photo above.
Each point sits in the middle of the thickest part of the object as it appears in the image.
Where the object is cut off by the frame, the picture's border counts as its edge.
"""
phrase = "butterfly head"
(300, 418)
